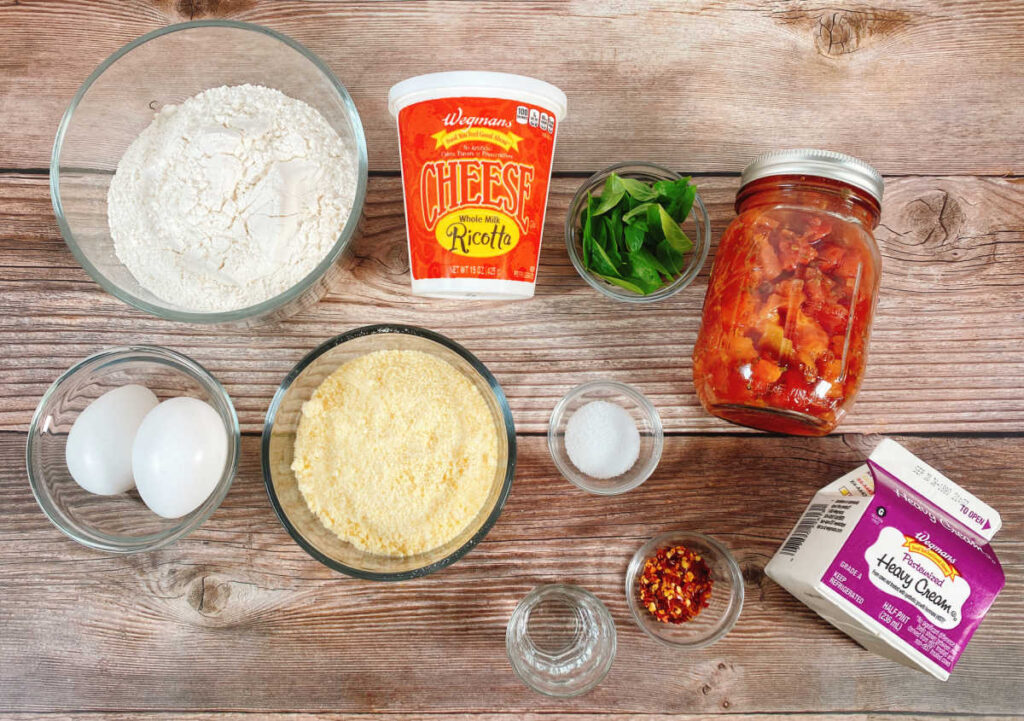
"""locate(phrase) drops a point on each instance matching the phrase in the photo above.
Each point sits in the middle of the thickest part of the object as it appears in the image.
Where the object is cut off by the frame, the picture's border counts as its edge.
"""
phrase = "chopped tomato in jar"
(787, 315)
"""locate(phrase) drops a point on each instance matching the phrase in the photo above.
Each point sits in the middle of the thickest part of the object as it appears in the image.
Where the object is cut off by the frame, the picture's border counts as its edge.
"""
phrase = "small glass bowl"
(696, 226)
(726, 601)
(121, 523)
(167, 66)
(279, 444)
(648, 422)
(561, 640)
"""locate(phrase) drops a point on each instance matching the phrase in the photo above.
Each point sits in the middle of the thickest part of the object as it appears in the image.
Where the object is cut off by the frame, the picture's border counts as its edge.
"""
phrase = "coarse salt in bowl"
(628, 465)
(476, 151)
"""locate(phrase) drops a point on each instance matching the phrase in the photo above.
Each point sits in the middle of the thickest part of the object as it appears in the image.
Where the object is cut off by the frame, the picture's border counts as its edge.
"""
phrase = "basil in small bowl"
(638, 232)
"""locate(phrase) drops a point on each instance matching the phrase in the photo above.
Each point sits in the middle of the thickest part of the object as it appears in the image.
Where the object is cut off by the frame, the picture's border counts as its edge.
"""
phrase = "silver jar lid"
(819, 163)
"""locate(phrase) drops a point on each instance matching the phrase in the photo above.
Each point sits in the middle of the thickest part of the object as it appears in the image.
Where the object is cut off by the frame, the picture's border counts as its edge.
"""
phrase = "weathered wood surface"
(915, 86)
(542, 716)
(947, 352)
(237, 622)
(237, 617)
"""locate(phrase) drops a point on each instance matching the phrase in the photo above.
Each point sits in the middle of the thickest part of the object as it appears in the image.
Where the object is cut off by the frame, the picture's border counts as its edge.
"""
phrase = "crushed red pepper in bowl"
(684, 589)
(675, 584)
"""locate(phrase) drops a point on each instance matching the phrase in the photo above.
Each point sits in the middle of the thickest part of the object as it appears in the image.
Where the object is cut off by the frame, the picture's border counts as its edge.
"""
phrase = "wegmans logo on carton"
(904, 567)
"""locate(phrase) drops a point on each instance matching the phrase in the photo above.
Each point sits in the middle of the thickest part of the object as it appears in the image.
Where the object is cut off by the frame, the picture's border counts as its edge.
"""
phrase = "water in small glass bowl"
(561, 640)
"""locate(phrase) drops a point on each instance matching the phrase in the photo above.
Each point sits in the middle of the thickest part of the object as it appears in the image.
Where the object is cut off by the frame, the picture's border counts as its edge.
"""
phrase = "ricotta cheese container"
(897, 556)
(476, 150)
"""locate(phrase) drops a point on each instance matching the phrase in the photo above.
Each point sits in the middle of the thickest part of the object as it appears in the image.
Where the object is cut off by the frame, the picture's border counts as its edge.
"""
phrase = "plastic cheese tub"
(476, 150)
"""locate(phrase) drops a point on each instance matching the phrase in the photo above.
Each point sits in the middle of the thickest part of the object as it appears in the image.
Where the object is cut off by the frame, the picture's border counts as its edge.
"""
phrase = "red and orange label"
(476, 173)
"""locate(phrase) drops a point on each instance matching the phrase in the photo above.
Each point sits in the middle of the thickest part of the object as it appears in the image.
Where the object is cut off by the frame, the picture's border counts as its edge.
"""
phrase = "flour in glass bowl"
(230, 198)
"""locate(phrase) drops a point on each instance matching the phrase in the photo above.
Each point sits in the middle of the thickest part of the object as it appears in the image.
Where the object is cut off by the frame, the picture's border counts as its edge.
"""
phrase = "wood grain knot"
(842, 32)
(937, 218)
(208, 596)
(753, 574)
(932, 232)
(196, 9)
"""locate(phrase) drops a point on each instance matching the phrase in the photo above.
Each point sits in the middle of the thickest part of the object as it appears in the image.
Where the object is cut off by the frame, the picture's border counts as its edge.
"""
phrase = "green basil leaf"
(623, 283)
(614, 220)
(637, 212)
(686, 204)
(677, 196)
(655, 232)
(600, 231)
(602, 264)
(613, 192)
(587, 232)
(638, 189)
(643, 274)
(634, 236)
(611, 244)
(645, 256)
(670, 257)
(673, 233)
(669, 189)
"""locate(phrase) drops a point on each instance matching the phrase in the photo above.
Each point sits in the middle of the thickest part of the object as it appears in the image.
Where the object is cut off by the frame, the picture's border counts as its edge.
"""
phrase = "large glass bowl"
(279, 441)
(167, 66)
(697, 227)
(121, 523)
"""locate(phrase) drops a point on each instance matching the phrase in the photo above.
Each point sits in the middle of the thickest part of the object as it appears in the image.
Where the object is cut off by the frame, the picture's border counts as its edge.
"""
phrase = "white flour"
(230, 198)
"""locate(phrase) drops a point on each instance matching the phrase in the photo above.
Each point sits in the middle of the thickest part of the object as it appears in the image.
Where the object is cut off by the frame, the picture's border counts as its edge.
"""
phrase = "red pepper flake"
(675, 584)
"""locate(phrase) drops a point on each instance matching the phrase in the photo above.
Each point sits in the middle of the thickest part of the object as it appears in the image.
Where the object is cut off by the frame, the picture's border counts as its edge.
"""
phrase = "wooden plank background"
(945, 352)
(916, 87)
(236, 620)
(237, 617)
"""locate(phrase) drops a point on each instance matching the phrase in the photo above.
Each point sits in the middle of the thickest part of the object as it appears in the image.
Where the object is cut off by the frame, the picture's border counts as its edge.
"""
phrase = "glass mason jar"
(787, 314)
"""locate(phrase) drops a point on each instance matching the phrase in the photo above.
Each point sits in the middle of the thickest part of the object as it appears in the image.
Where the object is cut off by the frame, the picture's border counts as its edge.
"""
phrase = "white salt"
(602, 440)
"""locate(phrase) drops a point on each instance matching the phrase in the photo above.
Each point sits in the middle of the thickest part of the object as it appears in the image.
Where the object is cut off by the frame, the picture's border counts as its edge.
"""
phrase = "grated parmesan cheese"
(396, 452)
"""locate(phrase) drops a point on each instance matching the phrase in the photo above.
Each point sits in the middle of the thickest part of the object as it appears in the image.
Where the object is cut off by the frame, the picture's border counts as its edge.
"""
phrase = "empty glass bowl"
(279, 441)
(561, 640)
(643, 413)
(726, 601)
(167, 66)
(696, 226)
(121, 523)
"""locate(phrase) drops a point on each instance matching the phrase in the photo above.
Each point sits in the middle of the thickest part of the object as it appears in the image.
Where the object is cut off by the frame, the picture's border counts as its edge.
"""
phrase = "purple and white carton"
(896, 556)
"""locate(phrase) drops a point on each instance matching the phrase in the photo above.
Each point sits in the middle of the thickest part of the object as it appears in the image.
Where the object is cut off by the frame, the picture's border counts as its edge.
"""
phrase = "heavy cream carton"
(895, 555)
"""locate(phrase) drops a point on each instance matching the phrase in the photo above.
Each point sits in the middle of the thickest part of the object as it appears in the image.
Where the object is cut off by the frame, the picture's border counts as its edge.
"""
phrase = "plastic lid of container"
(479, 84)
(819, 163)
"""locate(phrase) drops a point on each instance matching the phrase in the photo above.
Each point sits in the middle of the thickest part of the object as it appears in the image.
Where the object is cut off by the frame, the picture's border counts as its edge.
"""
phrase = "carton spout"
(892, 463)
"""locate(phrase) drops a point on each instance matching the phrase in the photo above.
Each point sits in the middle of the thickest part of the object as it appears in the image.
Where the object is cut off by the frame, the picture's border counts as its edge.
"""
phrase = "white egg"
(99, 447)
(179, 456)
